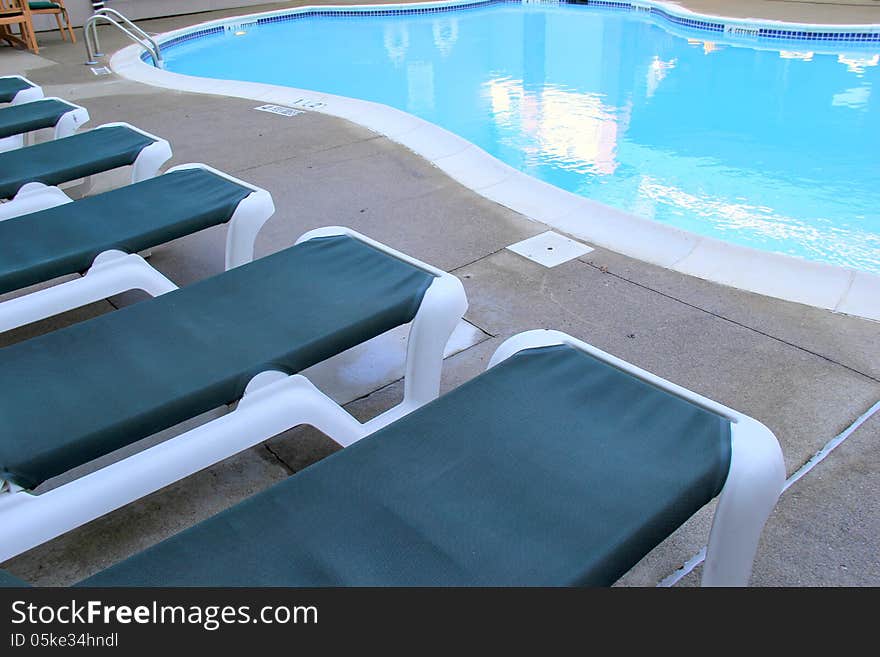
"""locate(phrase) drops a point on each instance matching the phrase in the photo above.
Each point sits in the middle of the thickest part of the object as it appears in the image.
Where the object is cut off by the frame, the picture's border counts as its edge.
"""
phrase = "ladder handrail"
(137, 30)
(136, 34)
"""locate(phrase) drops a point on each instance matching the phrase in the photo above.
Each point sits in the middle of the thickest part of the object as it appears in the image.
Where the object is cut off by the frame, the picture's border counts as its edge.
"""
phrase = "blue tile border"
(381, 12)
(816, 35)
(192, 35)
(747, 30)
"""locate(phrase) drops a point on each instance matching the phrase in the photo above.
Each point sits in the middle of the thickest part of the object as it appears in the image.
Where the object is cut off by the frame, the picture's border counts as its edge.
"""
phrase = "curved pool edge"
(835, 288)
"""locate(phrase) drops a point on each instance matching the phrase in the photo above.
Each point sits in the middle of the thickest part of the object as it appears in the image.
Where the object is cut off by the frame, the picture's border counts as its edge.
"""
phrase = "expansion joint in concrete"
(734, 322)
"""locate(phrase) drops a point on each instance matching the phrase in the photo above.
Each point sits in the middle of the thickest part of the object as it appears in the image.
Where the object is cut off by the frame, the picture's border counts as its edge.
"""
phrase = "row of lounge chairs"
(560, 465)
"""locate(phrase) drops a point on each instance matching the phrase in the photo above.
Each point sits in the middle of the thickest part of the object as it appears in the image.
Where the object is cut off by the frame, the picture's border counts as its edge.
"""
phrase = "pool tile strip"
(189, 37)
(735, 28)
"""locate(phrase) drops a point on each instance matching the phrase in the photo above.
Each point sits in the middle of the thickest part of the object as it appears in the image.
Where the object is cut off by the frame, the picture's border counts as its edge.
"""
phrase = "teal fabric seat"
(122, 376)
(42, 4)
(66, 239)
(77, 156)
(552, 468)
(8, 580)
(19, 119)
(10, 86)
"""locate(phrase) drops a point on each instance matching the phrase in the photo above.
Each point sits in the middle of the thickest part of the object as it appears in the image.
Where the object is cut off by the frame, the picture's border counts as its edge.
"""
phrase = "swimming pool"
(765, 147)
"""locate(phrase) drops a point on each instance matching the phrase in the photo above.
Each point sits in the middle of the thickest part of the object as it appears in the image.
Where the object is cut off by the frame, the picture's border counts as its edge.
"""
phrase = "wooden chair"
(54, 7)
(17, 12)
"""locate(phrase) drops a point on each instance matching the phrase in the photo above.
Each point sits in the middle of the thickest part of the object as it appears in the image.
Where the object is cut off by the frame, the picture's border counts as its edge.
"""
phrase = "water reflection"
(793, 54)
(855, 98)
(576, 131)
(445, 33)
(858, 63)
(396, 40)
(707, 46)
(420, 87)
(657, 70)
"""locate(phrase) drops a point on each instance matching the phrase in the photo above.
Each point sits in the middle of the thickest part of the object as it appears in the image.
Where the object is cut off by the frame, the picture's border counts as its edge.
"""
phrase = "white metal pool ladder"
(132, 31)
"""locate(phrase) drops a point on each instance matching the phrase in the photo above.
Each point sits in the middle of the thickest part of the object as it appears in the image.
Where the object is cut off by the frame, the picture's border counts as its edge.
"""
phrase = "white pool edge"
(839, 289)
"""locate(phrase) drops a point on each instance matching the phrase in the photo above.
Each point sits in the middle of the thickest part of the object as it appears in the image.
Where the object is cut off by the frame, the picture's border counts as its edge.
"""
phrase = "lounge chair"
(18, 121)
(57, 9)
(17, 12)
(18, 89)
(28, 174)
(100, 235)
(561, 465)
(83, 391)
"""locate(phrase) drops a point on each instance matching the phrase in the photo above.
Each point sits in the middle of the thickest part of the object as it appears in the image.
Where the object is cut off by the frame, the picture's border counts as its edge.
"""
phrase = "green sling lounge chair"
(28, 174)
(18, 121)
(17, 89)
(100, 236)
(559, 466)
(81, 392)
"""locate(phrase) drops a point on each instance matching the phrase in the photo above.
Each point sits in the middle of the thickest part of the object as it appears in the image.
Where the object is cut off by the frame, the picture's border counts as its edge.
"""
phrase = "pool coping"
(836, 288)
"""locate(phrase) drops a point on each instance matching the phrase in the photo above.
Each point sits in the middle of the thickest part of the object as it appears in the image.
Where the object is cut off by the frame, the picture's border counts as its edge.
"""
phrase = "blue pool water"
(768, 148)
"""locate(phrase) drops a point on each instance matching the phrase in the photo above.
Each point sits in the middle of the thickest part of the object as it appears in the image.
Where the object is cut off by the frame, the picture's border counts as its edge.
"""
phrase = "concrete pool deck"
(806, 373)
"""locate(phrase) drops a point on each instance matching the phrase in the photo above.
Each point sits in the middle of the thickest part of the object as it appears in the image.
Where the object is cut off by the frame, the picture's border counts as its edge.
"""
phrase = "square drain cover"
(550, 249)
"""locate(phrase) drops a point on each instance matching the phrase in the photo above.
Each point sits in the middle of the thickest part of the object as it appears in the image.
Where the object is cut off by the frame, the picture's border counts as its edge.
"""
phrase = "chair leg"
(69, 26)
(28, 36)
(32, 37)
(60, 26)
(25, 36)
(12, 38)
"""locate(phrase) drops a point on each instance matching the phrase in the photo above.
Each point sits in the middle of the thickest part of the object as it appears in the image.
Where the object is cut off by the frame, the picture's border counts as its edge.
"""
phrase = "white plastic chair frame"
(67, 124)
(34, 196)
(754, 481)
(273, 402)
(114, 272)
(34, 92)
